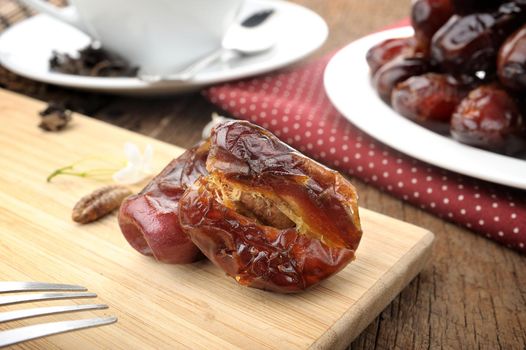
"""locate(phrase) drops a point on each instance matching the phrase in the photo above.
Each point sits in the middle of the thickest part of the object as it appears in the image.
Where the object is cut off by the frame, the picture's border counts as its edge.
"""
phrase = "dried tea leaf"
(99, 203)
(54, 118)
(92, 61)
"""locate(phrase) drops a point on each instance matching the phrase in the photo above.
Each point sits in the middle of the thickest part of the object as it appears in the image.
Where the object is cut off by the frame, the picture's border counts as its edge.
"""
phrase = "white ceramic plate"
(349, 88)
(26, 48)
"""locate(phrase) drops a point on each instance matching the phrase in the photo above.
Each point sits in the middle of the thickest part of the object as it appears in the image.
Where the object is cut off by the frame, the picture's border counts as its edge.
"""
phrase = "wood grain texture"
(160, 305)
(472, 295)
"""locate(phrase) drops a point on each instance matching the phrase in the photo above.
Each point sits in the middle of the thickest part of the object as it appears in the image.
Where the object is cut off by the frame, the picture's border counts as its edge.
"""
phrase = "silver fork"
(18, 335)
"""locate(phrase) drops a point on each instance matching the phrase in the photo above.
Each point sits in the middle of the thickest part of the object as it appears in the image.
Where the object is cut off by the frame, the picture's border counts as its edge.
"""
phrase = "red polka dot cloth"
(293, 105)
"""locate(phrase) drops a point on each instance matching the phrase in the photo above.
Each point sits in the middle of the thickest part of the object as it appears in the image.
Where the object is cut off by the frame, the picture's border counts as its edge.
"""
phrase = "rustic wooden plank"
(466, 271)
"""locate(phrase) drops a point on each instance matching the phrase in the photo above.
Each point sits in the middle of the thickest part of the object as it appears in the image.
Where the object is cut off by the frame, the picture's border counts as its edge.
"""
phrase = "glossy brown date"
(465, 45)
(427, 16)
(428, 99)
(512, 61)
(489, 118)
(465, 7)
(150, 219)
(396, 71)
(469, 45)
(268, 216)
(387, 50)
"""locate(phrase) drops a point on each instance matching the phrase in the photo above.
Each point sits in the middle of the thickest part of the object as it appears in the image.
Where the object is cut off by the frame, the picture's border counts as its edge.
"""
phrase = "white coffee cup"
(159, 36)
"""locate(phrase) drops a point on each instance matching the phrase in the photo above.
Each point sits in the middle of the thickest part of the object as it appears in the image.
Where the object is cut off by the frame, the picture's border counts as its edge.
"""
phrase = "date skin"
(489, 118)
(387, 50)
(465, 7)
(512, 61)
(396, 71)
(467, 45)
(320, 236)
(429, 100)
(427, 16)
(150, 219)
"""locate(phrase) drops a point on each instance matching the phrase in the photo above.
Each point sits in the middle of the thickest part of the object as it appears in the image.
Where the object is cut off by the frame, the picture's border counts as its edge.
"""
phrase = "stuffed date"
(150, 221)
(268, 216)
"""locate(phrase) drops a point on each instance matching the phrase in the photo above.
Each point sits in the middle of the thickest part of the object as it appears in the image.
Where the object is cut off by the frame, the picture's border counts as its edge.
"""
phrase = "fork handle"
(18, 335)
(12, 287)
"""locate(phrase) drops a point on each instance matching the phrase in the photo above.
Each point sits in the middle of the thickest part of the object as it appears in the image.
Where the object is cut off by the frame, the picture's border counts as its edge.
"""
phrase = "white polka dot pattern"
(293, 105)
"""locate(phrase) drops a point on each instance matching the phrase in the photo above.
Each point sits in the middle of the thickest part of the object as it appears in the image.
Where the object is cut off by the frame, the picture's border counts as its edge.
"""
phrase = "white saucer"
(26, 47)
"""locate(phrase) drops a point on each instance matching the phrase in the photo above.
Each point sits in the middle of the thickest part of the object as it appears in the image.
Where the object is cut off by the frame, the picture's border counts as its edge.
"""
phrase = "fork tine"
(21, 334)
(16, 299)
(42, 311)
(6, 287)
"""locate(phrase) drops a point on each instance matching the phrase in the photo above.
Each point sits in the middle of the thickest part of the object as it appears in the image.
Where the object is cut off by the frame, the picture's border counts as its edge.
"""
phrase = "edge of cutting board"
(354, 321)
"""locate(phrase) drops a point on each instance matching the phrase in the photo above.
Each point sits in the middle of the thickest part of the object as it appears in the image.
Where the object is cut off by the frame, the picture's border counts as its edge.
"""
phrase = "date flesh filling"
(265, 207)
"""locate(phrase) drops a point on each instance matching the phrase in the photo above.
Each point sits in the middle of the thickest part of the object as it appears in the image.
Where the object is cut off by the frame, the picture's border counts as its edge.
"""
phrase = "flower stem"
(58, 172)
(69, 170)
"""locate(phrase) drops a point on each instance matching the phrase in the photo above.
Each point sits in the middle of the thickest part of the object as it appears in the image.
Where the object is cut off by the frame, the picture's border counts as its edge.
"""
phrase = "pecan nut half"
(99, 203)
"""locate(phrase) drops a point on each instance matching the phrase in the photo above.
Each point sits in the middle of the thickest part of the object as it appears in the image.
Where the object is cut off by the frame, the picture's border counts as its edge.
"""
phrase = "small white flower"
(139, 165)
(216, 119)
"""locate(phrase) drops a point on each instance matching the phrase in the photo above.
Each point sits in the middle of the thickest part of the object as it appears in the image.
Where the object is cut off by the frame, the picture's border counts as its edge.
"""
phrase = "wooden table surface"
(472, 294)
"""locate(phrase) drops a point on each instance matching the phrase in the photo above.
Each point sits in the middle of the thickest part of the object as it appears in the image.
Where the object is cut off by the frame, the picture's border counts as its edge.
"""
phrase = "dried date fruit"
(428, 99)
(387, 50)
(150, 219)
(508, 18)
(512, 61)
(427, 16)
(489, 118)
(396, 71)
(99, 203)
(521, 103)
(469, 45)
(465, 45)
(465, 7)
(268, 216)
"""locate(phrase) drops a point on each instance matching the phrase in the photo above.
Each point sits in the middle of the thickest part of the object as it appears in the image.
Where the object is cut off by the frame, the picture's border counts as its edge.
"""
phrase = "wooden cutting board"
(165, 306)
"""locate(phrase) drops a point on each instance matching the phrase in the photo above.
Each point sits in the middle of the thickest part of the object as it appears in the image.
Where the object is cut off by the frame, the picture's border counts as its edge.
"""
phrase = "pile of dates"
(463, 73)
